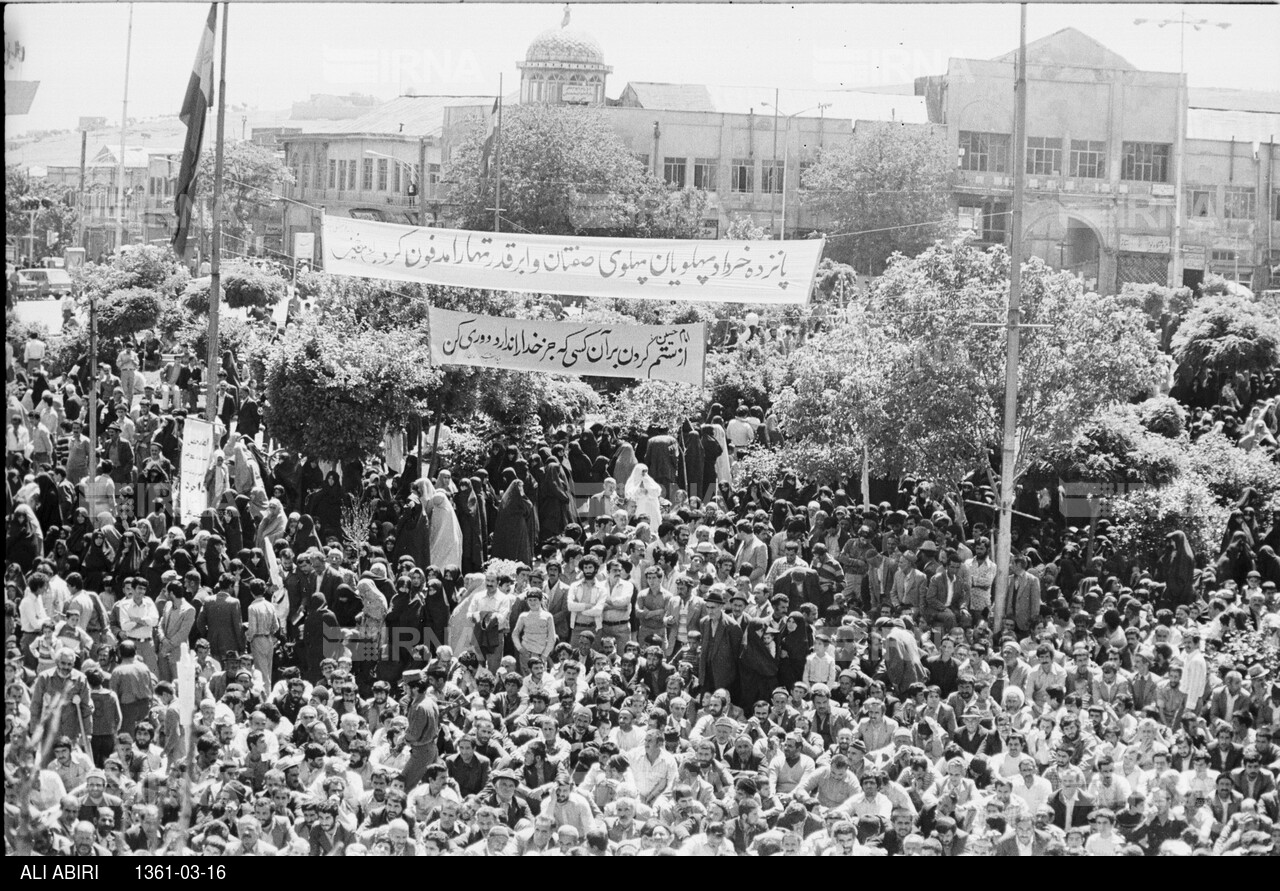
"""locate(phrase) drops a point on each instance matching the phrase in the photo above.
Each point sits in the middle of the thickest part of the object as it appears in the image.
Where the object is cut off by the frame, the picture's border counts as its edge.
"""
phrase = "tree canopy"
(565, 171)
(891, 182)
(916, 375)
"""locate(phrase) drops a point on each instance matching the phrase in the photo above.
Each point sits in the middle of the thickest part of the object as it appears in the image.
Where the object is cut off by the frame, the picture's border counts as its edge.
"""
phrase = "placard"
(765, 272)
(650, 352)
(197, 452)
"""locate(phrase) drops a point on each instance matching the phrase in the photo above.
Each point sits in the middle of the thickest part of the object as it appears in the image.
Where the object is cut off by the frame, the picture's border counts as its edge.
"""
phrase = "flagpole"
(215, 260)
(124, 125)
(497, 165)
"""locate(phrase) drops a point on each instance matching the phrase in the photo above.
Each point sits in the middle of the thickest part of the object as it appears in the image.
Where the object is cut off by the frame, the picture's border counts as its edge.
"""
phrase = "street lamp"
(786, 149)
(1175, 271)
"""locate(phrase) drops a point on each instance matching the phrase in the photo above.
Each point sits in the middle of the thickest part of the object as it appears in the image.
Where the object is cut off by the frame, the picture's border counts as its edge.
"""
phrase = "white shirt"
(138, 619)
(647, 777)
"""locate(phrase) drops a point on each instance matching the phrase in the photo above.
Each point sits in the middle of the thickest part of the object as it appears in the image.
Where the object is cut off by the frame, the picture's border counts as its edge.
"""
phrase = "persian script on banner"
(197, 451)
(776, 272)
(653, 352)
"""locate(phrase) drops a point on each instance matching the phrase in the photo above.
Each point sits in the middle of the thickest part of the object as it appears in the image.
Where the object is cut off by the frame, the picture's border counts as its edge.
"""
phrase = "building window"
(1044, 156)
(366, 174)
(1145, 162)
(673, 171)
(433, 174)
(1275, 206)
(1088, 159)
(772, 177)
(351, 175)
(304, 179)
(395, 178)
(984, 152)
(742, 175)
(382, 174)
(805, 167)
(1238, 203)
(1223, 256)
(988, 220)
(1199, 203)
(704, 173)
(333, 174)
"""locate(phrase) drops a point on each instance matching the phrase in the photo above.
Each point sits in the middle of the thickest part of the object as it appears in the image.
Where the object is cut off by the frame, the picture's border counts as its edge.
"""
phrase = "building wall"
(1106, 227)
(1218, 233)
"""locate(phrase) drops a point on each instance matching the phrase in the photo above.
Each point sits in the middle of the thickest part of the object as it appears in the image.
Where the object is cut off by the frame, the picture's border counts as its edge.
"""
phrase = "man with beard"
(64, 686)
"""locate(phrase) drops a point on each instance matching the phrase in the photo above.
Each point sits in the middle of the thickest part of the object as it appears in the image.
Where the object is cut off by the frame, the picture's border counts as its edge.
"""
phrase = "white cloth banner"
(776, 272)
(653, 352)
(197, 451)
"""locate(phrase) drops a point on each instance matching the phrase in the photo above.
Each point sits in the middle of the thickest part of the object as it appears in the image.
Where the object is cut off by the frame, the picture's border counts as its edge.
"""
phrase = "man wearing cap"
(721, 644)
(501, 796)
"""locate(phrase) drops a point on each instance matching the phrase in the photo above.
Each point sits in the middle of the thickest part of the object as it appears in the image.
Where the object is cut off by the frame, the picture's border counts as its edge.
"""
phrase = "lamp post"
(786, 152)
(1175, 268)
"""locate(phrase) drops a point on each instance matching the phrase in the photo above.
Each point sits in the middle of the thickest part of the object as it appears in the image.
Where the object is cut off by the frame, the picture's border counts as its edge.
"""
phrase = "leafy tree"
(1230, 471)
(251, 176)
(655, 404)
(1224, 335)
(139, 266)
(565, 171)
(330, 392)
(911, 374)
(129, 311)
(1116, 446)
(1141, 520)
(892, 178)
(1163, 415)
(244, 284)
(58, 217)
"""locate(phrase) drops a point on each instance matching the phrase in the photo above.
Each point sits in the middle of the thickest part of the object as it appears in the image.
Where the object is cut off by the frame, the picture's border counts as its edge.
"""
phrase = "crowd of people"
(597, 642)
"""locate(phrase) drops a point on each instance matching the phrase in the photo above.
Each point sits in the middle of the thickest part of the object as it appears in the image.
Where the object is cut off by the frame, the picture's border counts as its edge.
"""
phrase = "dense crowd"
(597, 642)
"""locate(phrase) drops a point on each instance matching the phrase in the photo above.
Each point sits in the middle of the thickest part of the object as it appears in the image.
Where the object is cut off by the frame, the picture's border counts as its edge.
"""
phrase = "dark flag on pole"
(194, 106)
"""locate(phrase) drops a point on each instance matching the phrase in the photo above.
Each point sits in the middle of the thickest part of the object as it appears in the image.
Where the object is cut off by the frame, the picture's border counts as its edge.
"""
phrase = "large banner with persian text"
(777, 272)
(652, 352)
(197, 453)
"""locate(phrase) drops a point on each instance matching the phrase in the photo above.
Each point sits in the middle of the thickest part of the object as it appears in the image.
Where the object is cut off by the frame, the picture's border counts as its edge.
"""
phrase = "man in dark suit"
(1070, 806)
(1025, 840)
(801, 586)
(721, 644)
(1226, 754)
(1228, 700)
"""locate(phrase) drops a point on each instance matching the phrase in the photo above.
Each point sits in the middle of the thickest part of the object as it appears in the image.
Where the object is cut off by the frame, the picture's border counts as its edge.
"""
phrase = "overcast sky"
(280, 53)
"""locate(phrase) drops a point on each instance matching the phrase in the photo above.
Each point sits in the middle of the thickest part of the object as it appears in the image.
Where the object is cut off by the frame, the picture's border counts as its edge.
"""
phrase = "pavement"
(46, 312)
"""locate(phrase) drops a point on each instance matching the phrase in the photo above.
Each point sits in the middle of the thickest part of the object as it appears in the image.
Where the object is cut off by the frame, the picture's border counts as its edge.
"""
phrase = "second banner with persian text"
(648, 352)
(766, 272)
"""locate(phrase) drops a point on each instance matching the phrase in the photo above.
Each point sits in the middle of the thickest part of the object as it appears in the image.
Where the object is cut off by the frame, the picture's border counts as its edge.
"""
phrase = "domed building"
(563, 66)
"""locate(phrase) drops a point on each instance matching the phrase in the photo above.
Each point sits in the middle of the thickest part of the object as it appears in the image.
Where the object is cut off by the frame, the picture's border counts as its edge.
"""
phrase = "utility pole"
(215, 258)
(84, 148)
(124, 127)
(93, 390)
(1008, 454)
(773, 174)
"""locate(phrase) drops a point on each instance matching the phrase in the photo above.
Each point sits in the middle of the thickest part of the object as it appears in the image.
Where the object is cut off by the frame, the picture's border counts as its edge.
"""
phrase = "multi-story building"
(383, 165)
(150, 174)
(1107, 145)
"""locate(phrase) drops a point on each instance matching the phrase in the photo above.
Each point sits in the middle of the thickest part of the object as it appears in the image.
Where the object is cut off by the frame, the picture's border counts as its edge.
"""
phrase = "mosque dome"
(565, 45)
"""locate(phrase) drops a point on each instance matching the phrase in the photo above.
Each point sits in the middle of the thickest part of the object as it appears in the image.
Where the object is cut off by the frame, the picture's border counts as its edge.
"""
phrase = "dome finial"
(564, 23)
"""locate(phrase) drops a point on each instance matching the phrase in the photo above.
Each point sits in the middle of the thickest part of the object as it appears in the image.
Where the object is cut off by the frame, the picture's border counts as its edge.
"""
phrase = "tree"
(892, 178)
(138, 266)
(245, 283)
(565, 171)
(1224, 335)
(251, 178)
(1141, 520)
(330, 393)
(55, 216)
(1116, 446)
(129, 311)
(912, 375)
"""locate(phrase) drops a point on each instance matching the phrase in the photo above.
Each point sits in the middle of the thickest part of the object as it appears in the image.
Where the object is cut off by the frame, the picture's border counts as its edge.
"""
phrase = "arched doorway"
(1081, 250)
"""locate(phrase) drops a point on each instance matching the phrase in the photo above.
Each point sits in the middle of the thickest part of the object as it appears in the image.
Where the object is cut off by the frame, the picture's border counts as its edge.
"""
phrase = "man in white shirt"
(1032, 788)
(138, 620)
(653, 769)
(1195, 672)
